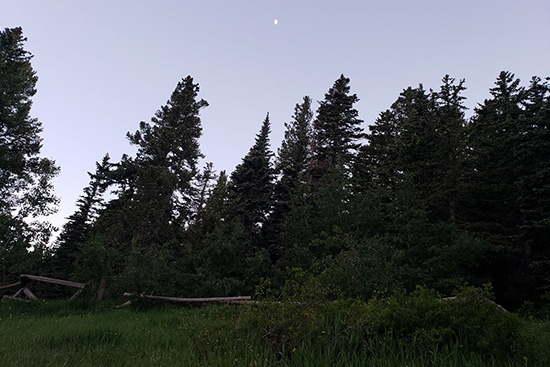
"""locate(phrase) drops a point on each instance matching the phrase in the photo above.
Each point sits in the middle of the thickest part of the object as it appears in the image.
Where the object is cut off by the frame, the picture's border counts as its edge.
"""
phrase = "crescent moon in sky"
(276, 21)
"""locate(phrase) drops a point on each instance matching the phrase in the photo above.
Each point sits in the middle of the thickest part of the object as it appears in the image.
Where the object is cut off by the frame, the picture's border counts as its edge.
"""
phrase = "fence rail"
(238, 299)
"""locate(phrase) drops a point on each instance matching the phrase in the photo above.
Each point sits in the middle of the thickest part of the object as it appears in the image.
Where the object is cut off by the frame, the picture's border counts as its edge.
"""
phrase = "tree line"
(423, 196)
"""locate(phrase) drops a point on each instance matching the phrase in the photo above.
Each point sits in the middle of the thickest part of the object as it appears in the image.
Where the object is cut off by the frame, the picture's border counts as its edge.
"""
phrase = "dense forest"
(422, 196)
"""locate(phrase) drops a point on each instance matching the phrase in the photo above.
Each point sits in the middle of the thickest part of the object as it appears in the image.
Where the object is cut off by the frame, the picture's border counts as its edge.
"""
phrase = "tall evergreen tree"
(336, 129)
(26, 190)
(451, 129)
(322, 210)
(76, 230)
(419, 144)
(414, 165)
(217, 208)
(252, 182)
(494, 134)
(203, 186)
(295, 152)
(142, 226)
(534, 191)
(534, 150)
(493, 208)
(292, 165)
(251, 204)
(397, 151)
(221, 252)
(170, 143)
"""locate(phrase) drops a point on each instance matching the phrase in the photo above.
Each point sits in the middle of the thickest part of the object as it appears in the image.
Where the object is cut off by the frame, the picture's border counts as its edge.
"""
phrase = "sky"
(105, 65)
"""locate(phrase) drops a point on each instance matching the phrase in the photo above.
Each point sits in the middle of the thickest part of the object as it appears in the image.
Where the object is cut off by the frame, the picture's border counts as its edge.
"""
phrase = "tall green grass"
(85, 333)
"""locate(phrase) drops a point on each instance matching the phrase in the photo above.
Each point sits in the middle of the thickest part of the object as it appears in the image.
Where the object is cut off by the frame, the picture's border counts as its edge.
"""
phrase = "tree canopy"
(423, 196)
(26, 189)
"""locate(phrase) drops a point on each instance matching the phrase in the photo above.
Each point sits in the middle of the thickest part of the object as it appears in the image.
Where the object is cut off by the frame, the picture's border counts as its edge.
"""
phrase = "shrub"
(422, 320)
(427, 320)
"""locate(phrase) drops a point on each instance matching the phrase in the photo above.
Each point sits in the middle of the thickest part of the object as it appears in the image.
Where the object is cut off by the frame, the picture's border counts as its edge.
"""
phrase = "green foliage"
(292, 165)
(506, 202)
(252, 183)
(142, 226)
(87, 333)
(397, 160)
(26, 191)
(422, 320)
(76, 230)
(336, 129)
(430, 199)
(221, 261)
(288, 319)
(427, 320)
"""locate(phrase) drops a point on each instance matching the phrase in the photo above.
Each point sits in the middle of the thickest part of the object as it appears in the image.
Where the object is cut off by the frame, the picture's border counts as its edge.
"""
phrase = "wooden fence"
(26, 280)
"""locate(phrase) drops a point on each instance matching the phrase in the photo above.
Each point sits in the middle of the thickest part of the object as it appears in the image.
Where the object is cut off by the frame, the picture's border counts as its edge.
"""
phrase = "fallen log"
(486, 300)
(239, 299)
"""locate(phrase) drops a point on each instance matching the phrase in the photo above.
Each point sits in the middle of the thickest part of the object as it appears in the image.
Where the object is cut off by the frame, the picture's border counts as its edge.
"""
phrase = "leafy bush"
(287, 319)
(302, 314)
(427, 320)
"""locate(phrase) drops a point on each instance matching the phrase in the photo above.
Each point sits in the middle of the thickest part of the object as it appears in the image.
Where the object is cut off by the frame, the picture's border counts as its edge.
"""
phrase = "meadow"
(379, 333)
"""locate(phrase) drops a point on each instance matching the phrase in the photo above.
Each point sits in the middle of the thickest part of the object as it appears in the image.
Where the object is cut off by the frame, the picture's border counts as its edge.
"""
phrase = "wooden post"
(28, 293)
(101, 289)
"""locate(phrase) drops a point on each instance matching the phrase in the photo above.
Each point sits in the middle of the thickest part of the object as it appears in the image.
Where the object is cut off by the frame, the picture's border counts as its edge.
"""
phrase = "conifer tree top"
(337, 128)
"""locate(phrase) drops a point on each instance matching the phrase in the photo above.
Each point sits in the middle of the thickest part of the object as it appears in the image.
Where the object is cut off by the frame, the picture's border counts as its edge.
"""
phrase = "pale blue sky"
(104, 66)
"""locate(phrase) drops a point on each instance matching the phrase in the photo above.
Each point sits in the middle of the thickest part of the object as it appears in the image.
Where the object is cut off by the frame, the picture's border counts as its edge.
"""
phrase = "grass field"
(85, 333)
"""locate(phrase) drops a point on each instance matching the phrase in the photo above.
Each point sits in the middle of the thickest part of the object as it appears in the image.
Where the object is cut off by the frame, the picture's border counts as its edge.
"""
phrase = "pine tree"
(170, 143)
(534, 190)
(162, 203)
(336, 129)
(252, 182)
(143, 225)
(251, 204)
(217, 207)
(76, 230)
(165, 165)
(321, 209)
(419, 144)
(534, 149)
(26, 190)
(397, 152)
(451, 130)
(295, 151)
(494, 134)
(221, 249)
(203, 186)
(292, 165)
(415, 175)
(492, 209)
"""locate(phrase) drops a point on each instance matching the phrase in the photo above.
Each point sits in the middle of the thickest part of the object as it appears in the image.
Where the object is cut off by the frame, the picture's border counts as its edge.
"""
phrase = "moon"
(276, 21)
